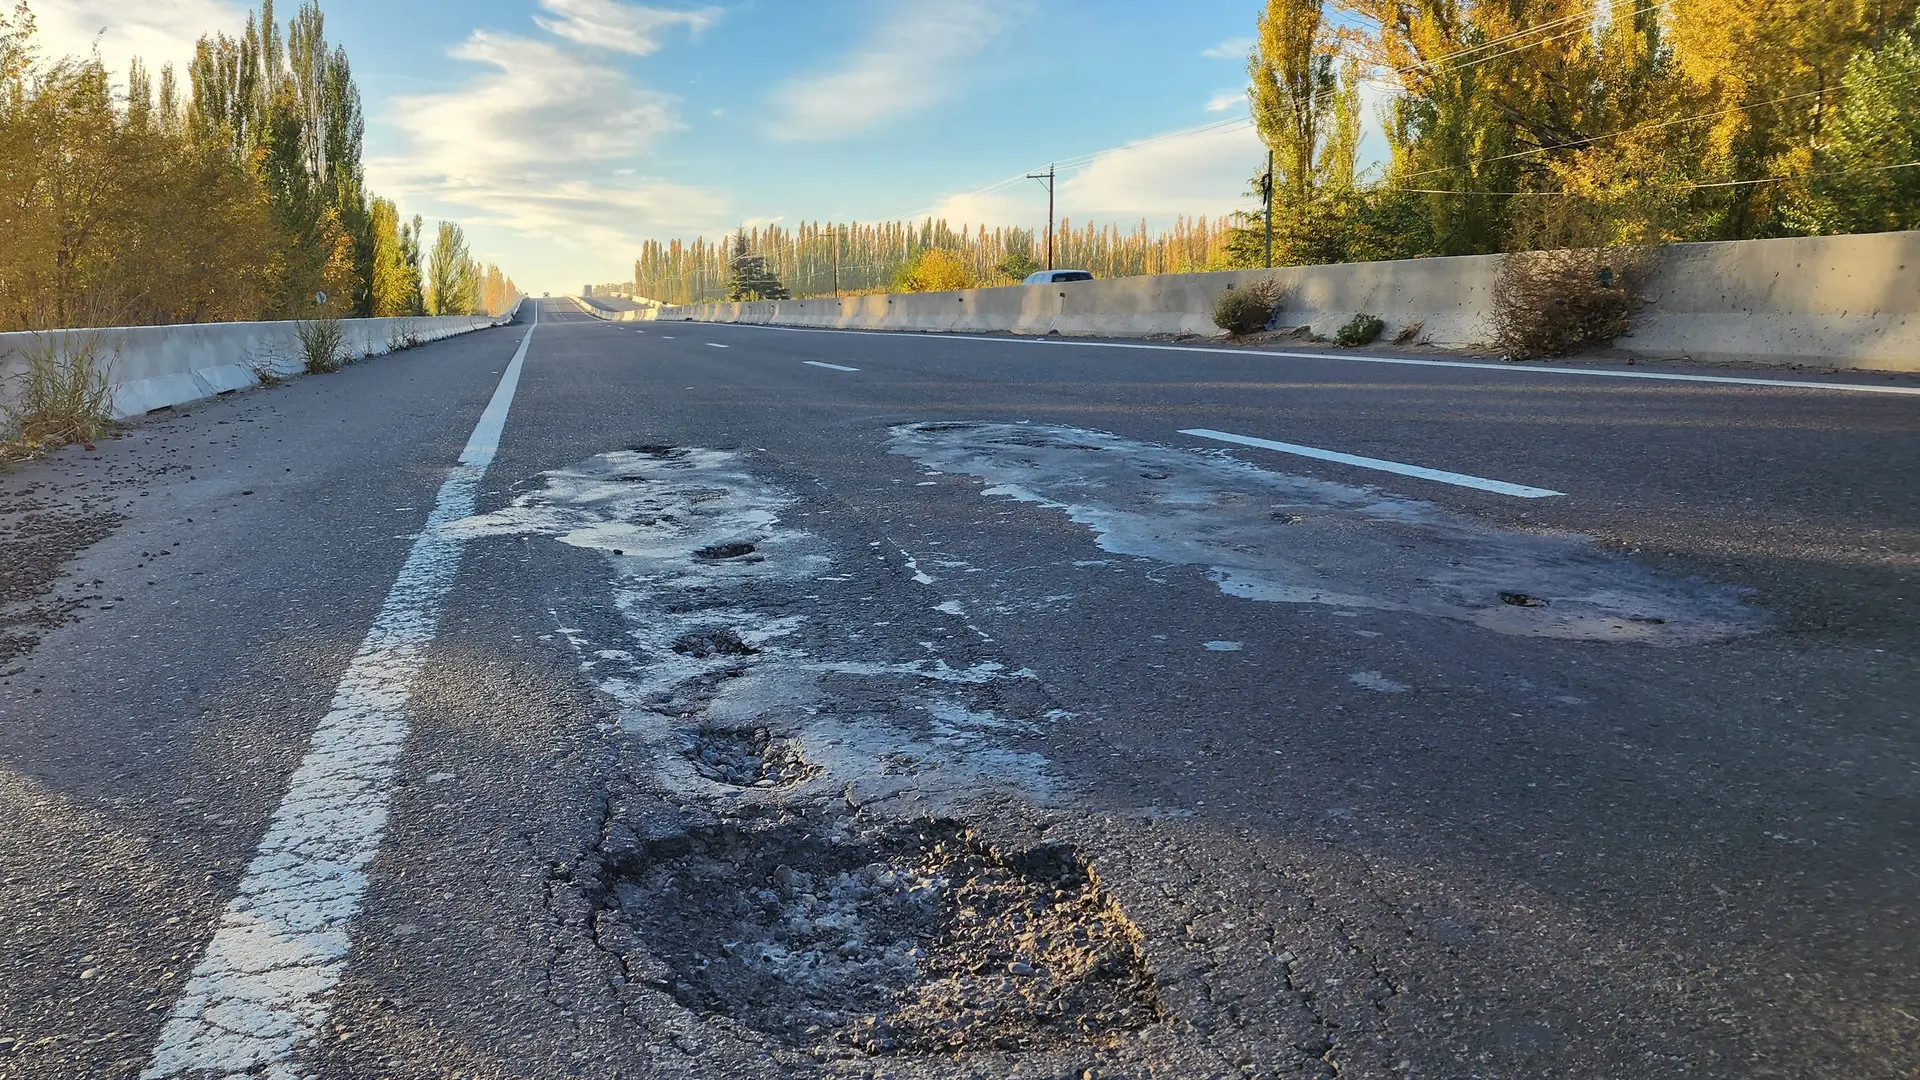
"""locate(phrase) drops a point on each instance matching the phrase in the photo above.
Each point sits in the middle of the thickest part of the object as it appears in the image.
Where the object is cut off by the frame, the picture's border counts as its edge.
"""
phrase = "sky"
(563, 133)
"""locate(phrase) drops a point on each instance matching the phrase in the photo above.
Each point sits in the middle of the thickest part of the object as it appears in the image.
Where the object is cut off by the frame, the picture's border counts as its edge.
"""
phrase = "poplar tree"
(450, 286)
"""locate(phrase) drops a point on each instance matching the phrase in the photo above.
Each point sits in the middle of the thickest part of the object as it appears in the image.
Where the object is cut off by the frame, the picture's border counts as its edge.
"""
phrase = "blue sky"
(562, 133)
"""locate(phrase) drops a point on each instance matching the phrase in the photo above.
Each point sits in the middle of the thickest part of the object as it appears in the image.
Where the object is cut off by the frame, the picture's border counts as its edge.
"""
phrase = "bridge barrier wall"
(1827, 301)
(150, 367)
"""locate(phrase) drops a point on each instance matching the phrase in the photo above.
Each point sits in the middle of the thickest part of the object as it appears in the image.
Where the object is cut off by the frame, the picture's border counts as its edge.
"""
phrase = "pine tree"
(749, 278)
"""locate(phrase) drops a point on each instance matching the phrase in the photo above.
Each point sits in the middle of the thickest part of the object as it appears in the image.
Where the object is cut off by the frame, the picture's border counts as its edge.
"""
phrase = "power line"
(1697, 186)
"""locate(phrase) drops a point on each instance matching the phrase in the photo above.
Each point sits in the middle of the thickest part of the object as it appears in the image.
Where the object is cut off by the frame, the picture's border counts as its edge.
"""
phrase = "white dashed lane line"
(830, 367)
(1481, 483)
(717, 345)
(259, 995)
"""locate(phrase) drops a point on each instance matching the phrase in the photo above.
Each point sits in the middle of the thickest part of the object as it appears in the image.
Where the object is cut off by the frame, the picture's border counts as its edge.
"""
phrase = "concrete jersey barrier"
(1827, 301)
(151, 367)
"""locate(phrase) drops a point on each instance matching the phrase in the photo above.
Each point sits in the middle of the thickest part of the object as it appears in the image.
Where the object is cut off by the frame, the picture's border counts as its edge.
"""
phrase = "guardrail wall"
(151, 367)
(1826, 301)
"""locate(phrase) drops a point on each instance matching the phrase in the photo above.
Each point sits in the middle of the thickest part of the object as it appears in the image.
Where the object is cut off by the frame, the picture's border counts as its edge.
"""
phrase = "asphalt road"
(762, 703)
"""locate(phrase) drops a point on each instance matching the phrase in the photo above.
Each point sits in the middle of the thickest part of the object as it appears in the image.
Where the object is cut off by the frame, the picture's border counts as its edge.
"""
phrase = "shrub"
(1550, 303)
(323, 341)
(935, 270)
(1249, 310)
(1362, 329)
(62, 397)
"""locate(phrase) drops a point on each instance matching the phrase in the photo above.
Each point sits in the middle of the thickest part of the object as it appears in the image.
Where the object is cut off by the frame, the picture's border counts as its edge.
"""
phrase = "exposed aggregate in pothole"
(749, 757)
(904, 938)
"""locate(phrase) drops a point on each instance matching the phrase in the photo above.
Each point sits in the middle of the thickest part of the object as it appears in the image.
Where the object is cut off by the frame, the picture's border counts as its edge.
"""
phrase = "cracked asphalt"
(1070, 772)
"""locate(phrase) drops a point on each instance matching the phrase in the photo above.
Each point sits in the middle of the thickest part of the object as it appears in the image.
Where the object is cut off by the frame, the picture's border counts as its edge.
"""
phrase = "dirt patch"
(749, 757)
(35, 546)
(896, 939)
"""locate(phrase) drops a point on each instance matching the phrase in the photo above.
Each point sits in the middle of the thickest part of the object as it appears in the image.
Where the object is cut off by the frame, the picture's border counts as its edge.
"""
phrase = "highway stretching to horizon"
(671, 699)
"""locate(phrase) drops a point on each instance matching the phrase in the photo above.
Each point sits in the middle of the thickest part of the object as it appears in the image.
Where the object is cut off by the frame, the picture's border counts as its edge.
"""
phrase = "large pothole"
(900, 939)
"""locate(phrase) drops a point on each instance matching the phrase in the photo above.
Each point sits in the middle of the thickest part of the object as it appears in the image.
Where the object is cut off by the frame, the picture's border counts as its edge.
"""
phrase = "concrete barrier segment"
(151, 367)
(1825, 301)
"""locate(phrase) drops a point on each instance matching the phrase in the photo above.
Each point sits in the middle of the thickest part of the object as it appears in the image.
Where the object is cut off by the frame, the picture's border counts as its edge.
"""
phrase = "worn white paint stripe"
(717, 345)
(1358, 358)
(1457, 479)
(260, 993)
(832, 367)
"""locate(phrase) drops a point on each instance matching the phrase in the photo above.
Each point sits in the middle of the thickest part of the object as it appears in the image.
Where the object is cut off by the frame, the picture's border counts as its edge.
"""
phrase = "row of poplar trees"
(237, 196)
(1518, 124)
(820, 258)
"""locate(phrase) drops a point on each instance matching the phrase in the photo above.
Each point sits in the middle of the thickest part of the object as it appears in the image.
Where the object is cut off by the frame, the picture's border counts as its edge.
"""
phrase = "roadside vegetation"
(61, 395)
(1249, 310)
(232, 191)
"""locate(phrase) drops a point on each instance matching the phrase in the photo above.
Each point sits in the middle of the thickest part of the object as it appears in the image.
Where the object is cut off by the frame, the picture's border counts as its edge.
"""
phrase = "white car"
(1051, 277)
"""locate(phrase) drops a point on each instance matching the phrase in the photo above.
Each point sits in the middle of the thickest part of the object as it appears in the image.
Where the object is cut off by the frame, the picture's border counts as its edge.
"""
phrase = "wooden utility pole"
(1048, 177)
(1266, 185)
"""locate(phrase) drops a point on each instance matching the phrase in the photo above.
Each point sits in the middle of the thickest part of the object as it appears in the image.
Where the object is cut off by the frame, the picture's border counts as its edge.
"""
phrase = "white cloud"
(542, 105)
(629, 28)
(544, 144)
(1230, 49)
(1226, 99)
(1155, 180)
(158, 32)
(578, 215)
(908, 64)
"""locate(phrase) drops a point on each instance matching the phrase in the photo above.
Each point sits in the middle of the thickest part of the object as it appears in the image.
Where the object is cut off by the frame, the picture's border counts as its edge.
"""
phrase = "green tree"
(1863, 179)
(395, 280)
(449, 273)
(749, 277)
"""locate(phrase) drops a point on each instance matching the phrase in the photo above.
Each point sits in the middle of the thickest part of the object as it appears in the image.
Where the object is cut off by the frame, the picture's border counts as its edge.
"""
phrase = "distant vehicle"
(1054, 277)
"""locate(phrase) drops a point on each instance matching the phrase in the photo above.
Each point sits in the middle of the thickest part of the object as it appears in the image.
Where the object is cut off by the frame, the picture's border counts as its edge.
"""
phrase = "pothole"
(710, 643)
(725, 551)
(749, 757)
(903, 939)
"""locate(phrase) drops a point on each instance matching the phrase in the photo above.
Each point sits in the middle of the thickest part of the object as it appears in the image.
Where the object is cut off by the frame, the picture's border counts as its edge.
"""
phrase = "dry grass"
(1551, 303)
(64, 396)
(323, 341)
(1249, 310)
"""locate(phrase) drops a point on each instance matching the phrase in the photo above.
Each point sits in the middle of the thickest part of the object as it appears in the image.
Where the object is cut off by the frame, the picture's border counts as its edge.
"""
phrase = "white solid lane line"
(259, 995)
(1511, 369)
(1454, 478)
(717, 345)
(832, 367)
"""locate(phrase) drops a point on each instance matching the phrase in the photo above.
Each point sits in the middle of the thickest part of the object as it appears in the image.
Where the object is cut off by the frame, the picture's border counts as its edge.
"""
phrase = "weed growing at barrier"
(401, 337)
(1249, 310)
(1551, 303)
(62, 397)
(1362, 329)
(323, 341)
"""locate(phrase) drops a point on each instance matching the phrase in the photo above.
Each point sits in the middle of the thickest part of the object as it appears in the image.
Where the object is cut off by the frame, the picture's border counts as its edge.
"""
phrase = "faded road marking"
(831, 367)
(1500, 487)
(717, 345)
(260, 994)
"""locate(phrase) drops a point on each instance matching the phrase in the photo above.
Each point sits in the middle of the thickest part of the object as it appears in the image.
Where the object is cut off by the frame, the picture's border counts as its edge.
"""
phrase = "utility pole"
(1048, 177)
(1266, 188)
(835, 231)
